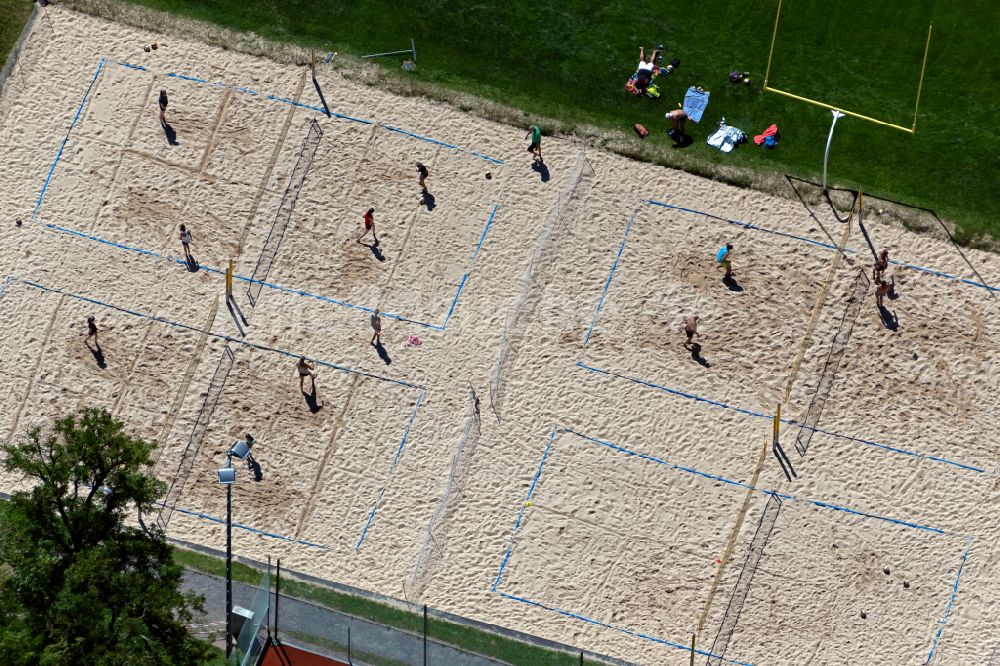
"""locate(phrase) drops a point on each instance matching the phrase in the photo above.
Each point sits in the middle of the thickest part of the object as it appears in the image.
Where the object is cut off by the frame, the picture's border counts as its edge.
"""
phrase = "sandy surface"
(636, 452)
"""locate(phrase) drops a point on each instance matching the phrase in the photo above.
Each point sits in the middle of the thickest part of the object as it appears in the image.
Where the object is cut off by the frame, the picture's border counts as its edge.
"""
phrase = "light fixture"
(240, 449)
(227, 475)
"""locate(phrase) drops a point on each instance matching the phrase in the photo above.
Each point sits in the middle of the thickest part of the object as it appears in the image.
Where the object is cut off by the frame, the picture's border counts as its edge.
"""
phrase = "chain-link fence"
(355, 626)
(367, 629)
(252, 636)
(21, 69)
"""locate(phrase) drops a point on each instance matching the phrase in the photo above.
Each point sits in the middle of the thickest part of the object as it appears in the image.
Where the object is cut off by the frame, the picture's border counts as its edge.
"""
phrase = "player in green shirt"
(536, 141)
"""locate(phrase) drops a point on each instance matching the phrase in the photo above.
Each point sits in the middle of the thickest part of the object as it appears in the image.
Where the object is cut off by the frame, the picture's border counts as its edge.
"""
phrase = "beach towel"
(726, 138)
(695, 101)
(630, 84)
(770, 131)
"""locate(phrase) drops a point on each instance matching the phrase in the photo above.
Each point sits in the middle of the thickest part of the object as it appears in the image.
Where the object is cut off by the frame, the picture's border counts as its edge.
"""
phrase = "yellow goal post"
(920, 85)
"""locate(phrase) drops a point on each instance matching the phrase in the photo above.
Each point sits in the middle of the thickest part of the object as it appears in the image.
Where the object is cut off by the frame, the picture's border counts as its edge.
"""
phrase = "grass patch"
(14, 15)
(567, 61)
(461, 636)
(217, 658)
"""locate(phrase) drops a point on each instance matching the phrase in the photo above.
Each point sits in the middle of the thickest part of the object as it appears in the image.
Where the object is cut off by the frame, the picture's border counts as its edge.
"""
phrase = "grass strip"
(461, 636)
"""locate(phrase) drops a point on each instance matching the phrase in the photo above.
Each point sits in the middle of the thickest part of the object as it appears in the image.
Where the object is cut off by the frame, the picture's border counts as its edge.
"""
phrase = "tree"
(78, 585)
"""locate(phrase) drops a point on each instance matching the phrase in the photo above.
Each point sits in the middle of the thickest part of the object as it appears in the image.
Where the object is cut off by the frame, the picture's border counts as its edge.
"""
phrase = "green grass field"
(13, 14)
(570, 59)
(470, 638)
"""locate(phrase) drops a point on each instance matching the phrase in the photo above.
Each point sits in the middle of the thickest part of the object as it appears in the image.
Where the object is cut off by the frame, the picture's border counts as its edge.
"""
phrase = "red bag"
(641, 131)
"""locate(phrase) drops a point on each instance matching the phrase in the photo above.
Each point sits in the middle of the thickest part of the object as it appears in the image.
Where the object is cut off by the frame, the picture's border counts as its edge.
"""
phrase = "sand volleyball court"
(531, 444)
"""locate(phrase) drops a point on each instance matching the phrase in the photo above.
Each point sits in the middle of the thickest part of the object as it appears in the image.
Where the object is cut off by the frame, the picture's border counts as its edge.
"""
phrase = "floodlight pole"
(229, 566)
(826, 154)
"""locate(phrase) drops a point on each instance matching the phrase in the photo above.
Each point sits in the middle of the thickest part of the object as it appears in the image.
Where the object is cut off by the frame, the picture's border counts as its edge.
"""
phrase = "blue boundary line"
(712, 477)
(254, 530)
(691, 396)
(41, 195)
(740, 484)
(291, 290)
(422, 138)
(951, 601)
(301, 105)
(520, 515)
(747, 225)
(486, 230)
(218, 336)
(629, 632)
(242, 278)
(607, 285)
(747, 412)
(317, 109)
(395, 459)
(399, 449)
(371, 517)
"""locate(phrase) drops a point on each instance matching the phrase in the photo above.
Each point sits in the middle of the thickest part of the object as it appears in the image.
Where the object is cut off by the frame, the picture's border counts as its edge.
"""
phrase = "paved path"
(322, 630)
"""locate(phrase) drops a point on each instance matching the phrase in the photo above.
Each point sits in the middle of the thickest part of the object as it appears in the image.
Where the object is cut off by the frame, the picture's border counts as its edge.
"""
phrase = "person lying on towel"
(640, 83)
(645, 72)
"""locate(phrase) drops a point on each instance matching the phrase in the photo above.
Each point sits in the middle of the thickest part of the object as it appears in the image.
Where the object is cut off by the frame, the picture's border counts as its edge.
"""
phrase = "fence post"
(425, 634)
(349, 660)
(581, 657)
(277, 600)
(267, 622)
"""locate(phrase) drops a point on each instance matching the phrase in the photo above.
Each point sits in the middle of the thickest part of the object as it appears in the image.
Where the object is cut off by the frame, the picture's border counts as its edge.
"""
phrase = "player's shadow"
(698, 358)
(682, 141)
(889, 318)
(322, 99)
(168, 130)
(237, 314)
(192, 264)
(543, 171)
(98, 355)
(731, 283)
(428, 200)
(255, 468)
(376, 252)
(382, 353)
(312, 400)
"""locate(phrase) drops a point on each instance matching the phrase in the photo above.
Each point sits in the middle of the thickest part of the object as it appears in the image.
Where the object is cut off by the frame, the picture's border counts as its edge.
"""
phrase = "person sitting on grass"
(678, 120)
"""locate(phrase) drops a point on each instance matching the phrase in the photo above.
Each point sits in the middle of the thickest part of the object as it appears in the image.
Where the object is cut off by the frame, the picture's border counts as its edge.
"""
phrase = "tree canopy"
(77, 584)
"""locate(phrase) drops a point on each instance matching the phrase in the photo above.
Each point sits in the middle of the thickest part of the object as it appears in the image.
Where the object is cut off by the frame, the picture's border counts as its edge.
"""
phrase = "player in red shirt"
(369, 218)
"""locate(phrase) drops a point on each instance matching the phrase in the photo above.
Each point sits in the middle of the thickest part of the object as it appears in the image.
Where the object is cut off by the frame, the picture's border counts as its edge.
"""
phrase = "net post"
(229, 280)
(777, 422)
(829, 139)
